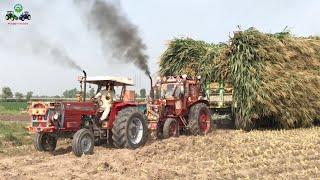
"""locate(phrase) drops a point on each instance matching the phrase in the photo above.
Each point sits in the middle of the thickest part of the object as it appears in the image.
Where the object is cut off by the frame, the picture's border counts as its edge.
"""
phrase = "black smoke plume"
(53, 52)
(118, 34)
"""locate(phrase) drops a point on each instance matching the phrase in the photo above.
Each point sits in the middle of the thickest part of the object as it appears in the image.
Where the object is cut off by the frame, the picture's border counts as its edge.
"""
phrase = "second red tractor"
(177, 106)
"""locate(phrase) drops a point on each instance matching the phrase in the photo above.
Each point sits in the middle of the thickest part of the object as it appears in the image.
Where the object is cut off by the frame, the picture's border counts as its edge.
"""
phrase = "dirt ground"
(15, 117)
(223, 154)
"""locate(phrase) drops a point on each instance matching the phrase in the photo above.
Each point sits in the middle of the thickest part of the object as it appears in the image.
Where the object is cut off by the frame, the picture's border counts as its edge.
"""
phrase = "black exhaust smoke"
(116, 32)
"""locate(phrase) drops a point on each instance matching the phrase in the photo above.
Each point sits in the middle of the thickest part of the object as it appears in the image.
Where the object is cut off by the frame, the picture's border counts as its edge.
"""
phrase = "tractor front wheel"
(200, 122)
(83, 142)
(170, 128)
(129, 129)
(7, 17)
(45, 142)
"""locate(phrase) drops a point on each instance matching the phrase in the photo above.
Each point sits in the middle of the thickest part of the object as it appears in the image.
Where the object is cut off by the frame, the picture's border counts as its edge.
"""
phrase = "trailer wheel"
(45, 142)
(200, 122)
(129, 129)
(83, 142)
(170, 128)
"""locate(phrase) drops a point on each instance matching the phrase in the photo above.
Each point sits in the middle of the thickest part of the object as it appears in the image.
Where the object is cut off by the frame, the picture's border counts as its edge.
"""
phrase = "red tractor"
(177, 105)
(123, 127)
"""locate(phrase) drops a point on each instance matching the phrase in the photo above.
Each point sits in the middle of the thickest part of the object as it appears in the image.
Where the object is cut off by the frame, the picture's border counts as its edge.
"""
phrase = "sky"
(61, 24)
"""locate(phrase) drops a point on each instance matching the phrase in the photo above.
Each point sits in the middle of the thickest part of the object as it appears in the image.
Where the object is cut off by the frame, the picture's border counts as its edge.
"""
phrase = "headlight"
(56, 116)
(156, 109)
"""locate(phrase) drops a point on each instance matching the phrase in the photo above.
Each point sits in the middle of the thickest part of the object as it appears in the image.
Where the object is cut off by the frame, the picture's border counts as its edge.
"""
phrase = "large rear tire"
(170, 128)
(83, 142)
(200, 122)
(130, 129)
(45, 142)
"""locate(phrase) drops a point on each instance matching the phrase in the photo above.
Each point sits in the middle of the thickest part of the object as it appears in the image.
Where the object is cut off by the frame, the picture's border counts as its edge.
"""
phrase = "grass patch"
(13, 134)
(12, 107)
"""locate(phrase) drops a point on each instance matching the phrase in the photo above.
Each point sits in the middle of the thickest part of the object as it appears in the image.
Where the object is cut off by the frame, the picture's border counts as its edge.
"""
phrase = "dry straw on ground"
(286, 154)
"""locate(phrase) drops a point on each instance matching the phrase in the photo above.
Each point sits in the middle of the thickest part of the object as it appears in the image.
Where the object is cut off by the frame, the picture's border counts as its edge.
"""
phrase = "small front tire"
(45, 142)
(170, 128)
(83, 142)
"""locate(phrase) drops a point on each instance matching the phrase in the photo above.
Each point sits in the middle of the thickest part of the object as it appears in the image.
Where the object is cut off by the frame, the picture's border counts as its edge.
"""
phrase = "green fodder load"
(276, 77)
(188, 56)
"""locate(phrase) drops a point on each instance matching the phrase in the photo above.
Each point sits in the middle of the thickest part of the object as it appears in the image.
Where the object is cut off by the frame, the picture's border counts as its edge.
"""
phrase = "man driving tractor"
(105, 98)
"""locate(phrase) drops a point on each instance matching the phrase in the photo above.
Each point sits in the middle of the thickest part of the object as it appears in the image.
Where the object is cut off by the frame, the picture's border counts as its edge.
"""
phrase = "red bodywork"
(71, 113)
(177, 107)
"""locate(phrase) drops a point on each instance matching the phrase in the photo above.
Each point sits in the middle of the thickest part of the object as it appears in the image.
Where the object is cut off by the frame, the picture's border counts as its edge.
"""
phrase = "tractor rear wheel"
(83, 142)
(200, 122)
(170, 128)
(45, 142)
(130, 129)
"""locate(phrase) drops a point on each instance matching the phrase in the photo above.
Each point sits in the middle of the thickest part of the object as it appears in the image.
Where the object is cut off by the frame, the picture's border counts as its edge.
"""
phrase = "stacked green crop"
(276, 77)
(188, 56)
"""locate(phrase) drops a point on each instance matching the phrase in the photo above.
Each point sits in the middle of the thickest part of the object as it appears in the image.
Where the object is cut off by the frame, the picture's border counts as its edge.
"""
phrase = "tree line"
(7, 93)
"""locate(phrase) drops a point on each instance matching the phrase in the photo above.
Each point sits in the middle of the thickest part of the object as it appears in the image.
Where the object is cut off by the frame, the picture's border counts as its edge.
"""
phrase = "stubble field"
(223, 154)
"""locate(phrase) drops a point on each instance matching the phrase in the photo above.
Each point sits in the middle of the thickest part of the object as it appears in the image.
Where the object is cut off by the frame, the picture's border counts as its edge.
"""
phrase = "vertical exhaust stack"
(151, 88)
(84, 86)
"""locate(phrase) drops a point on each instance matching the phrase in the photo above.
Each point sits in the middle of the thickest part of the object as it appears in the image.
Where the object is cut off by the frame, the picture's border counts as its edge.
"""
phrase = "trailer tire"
(170, 128)
(83, 142)
(130, 129)
(199, 119)
(45, 142)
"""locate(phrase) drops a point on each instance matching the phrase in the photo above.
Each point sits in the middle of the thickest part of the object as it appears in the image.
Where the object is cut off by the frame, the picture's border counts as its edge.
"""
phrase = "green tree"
(70, 93)
(143, 93)
(18, 95)
(29, 95)
(6, 93)
(91, 93)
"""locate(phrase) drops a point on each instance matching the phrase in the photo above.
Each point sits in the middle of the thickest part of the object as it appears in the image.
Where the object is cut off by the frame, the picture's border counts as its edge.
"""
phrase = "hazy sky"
(61, 24)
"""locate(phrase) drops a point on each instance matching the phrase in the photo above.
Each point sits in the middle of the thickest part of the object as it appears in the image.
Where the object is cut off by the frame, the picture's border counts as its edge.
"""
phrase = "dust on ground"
(15, 117)
(223, 154)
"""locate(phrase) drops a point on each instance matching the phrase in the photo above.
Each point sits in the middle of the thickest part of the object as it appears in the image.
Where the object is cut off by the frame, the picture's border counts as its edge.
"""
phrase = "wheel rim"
(135, 130)
(172, 129)
(204, 121)
(86, 143)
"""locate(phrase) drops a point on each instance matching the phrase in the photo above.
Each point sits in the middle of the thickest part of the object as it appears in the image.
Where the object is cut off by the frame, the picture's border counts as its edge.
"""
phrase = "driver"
(105, 99)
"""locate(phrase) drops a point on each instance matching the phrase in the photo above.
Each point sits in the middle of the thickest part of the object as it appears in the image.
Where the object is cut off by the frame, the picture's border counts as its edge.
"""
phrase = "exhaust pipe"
(151, 89)
(84, 86)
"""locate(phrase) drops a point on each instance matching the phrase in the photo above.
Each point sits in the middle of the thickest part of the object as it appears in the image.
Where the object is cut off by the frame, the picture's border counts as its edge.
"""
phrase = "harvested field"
(15, 117)
(223, 154)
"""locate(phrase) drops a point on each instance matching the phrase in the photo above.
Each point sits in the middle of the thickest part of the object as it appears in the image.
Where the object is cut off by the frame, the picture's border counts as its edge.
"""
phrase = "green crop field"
(12, 107)
(13, 134)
